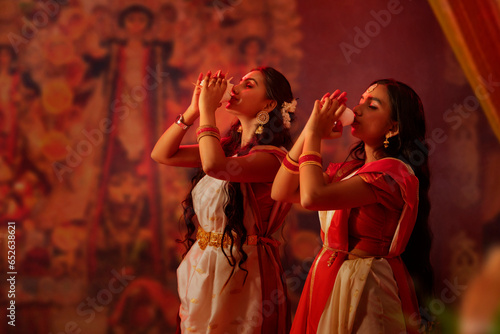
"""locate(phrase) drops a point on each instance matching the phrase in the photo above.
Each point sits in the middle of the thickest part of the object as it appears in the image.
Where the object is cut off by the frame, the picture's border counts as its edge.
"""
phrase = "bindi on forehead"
(378, 95)
(371, 88)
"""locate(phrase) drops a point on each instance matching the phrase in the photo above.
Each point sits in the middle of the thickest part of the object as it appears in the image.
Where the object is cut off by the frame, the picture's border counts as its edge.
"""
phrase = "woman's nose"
(235, 89)
(357, 110)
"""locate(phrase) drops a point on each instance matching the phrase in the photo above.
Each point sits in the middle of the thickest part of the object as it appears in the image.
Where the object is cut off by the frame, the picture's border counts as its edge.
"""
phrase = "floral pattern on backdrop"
(86, 89)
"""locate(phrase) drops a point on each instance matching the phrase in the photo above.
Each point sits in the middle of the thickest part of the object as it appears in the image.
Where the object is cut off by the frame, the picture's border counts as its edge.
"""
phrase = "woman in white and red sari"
(231, 279)
(371, 208)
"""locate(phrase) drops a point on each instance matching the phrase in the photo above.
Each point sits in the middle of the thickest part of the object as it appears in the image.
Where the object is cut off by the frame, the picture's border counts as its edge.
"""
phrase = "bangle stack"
(207, 130)
(310, 158)
(290, 165)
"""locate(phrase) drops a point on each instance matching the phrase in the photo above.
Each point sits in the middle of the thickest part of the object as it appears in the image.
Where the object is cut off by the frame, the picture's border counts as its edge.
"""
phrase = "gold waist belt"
(214, 239)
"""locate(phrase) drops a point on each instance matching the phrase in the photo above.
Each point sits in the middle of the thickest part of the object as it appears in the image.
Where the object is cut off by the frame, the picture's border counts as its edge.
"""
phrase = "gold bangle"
(290, 165)
(293, 162)
(207, 133)
(204, 128)
(310, 157)
(310, 162)
(310, 153)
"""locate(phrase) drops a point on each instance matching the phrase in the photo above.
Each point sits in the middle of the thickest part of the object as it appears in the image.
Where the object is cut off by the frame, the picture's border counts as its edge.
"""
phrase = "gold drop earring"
(262, 118)
(386, 141)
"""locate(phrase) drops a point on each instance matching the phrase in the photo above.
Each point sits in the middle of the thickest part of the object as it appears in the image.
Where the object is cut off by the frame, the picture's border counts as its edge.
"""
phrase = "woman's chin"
(231, 106)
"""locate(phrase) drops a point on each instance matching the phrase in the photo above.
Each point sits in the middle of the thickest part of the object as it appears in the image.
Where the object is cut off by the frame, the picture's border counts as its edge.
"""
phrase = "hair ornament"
(286, 109)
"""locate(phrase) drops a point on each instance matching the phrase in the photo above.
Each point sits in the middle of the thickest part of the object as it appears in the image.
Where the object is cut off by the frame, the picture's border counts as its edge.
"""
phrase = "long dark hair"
(410, 146)
(274, 133)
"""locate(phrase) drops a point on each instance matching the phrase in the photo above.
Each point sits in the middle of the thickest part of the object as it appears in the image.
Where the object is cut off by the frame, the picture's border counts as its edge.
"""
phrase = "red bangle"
(290, 165)
(310, 156)
(203, 128)
(207, 130)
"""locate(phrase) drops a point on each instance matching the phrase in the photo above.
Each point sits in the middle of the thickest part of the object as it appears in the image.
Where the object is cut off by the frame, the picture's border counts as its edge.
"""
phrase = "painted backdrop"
(87, 87)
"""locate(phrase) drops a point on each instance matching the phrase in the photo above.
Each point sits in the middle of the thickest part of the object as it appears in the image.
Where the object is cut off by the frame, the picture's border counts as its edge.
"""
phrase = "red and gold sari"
(336, 296)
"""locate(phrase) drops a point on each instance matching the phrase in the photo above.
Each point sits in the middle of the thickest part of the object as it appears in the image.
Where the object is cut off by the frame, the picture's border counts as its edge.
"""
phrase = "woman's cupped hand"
(323, 121)
(212, 87)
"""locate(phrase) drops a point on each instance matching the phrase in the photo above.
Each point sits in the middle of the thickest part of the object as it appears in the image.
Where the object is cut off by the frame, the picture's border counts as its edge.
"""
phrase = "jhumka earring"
(262, 118)
(386, 142)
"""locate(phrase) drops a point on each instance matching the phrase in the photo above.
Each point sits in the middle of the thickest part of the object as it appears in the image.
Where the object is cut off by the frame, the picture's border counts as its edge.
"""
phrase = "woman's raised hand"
(212, 90)
(325, 114)
(194, 106)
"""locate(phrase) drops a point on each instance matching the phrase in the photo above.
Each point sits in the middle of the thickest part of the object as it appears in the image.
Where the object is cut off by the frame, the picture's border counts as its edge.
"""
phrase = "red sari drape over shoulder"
(321, 278)
(276, 316)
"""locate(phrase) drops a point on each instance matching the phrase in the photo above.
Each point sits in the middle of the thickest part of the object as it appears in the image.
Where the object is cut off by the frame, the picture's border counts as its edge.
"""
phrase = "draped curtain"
(473, 30)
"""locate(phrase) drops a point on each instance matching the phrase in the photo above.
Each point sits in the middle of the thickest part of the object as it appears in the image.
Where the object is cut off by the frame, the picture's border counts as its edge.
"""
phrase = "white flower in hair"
(286, 109)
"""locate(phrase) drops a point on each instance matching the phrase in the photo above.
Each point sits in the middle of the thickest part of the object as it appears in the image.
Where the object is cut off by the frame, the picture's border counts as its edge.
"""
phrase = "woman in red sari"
(371, 208)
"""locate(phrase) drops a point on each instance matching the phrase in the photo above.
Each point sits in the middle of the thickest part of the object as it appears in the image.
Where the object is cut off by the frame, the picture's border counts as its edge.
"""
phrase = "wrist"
(207, 110)
(193, 110)
(312, 135)
(184, 121)
(206, 118)
(190, 116)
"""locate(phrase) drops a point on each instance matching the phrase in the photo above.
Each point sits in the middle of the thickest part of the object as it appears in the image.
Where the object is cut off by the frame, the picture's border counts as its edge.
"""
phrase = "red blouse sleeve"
(279, 153)
(331, 170)
(337, 171)
(385, 188)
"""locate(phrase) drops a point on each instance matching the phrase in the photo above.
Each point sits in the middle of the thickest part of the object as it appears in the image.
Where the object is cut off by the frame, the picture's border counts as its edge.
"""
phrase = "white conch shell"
(227, 94)
(347, 117)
